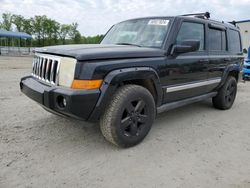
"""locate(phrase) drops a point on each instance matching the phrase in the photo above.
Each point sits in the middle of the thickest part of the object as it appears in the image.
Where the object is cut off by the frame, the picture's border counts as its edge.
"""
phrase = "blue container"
(248, 54)
(246, 68)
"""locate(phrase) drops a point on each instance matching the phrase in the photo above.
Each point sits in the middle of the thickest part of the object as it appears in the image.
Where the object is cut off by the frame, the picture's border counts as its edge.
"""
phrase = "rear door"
(219, 55)
(225, 48)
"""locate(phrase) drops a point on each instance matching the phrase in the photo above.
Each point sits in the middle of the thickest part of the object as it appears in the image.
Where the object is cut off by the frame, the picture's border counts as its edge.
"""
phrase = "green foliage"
(92, 40)
(7, 21)
(46, 31)
(64, 32)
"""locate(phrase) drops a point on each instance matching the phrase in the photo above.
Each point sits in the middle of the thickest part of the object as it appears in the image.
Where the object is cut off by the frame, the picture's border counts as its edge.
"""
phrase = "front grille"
(46, 68)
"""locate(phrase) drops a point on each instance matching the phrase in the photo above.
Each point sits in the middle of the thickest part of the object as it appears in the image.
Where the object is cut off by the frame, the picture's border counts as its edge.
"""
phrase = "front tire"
(129, 116)
(226, 95)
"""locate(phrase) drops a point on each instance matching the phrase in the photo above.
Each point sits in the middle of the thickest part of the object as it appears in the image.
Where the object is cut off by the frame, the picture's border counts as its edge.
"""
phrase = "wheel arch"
(143, 76)
(231, 70)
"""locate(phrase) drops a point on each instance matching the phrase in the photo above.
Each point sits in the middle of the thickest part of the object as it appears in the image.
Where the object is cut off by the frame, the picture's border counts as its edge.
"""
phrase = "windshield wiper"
(124, 43)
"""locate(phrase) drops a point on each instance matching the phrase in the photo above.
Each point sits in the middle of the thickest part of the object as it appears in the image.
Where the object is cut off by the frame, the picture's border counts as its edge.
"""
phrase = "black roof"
(226, 24)
(192, 18)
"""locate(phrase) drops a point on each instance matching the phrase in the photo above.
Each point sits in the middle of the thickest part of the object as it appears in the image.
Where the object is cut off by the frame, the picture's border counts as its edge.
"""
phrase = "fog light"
(61, 101)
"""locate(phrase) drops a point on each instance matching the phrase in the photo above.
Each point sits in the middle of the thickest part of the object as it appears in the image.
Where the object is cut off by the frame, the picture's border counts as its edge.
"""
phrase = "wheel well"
(146, 83)
(234, 74)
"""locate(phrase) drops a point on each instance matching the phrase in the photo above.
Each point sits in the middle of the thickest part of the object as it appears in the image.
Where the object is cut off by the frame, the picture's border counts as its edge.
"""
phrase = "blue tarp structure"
(11, 42)
(11, 34)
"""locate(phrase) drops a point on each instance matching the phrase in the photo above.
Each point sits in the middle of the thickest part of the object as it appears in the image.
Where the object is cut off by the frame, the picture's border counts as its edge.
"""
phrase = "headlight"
(66, 71)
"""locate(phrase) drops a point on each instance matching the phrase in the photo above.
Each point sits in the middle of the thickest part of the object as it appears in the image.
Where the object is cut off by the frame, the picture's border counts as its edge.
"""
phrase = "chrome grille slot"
(53, 71)
(40, 67)
(46, 68)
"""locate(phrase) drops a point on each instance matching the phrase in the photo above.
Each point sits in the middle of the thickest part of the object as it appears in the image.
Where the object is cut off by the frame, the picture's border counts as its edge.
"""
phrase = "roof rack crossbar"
(233, 23)
(204, 15)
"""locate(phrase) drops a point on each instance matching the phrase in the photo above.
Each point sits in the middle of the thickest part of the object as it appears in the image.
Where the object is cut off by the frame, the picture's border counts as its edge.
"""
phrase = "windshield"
(141, 32)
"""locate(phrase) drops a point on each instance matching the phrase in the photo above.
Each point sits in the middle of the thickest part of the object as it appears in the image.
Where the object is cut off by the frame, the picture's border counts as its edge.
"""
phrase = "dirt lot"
(194, 146)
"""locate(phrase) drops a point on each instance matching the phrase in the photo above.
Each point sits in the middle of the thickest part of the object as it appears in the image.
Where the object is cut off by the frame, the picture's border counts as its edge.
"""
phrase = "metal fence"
(15, 51)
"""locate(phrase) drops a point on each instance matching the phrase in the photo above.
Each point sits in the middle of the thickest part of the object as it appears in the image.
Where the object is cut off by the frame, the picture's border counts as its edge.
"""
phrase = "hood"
(101, 51)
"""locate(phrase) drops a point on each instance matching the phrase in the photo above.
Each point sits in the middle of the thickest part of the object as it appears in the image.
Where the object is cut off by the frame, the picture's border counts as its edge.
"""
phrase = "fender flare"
(115, 77)
(230, 68)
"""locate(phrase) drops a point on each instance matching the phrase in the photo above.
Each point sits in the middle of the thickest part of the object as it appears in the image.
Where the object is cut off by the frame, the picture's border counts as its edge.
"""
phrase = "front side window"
(217, 40)
(191, 31)
(141, 32)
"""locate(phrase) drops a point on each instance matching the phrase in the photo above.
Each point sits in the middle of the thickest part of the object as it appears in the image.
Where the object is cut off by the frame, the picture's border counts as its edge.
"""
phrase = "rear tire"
(226, 95)
(129, 116)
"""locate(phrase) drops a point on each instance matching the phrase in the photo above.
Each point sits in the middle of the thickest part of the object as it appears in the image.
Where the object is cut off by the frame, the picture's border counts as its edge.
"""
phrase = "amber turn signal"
(86, 84)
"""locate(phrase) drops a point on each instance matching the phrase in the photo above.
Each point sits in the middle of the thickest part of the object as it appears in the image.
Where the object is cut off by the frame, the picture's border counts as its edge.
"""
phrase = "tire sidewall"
(229, 81)
(131, 95)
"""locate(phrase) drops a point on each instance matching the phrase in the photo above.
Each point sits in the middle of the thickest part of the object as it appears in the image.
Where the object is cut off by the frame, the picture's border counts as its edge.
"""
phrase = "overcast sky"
(97, 16)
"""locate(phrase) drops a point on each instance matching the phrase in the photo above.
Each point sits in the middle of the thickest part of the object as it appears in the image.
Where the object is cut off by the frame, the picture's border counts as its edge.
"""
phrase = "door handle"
(204, 61)
(227, 59)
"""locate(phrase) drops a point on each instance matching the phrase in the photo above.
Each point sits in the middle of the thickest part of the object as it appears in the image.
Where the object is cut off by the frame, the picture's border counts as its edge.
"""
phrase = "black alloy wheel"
(129, 116)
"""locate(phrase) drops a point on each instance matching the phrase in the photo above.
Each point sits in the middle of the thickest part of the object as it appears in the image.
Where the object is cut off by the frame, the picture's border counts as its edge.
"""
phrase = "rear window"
(234, 41)
(217, 40)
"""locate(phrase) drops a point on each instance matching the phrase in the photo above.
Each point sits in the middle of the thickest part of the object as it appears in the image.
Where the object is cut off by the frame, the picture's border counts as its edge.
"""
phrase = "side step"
(177, 104)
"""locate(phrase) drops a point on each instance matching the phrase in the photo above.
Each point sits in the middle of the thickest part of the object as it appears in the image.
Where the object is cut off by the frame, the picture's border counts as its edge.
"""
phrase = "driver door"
(187, 73)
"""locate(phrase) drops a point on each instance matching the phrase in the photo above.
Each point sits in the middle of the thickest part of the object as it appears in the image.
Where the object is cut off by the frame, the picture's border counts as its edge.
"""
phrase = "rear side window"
(217, 40)
(191, 31)
(234, 41)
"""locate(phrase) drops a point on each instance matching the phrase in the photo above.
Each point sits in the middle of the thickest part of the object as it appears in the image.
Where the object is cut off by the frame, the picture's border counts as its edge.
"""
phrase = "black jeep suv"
(142, 67)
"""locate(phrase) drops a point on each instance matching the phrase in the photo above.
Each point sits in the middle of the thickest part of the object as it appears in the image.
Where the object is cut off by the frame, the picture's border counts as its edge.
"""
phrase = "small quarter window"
(191, 31)
(234, 41)
(217, 40)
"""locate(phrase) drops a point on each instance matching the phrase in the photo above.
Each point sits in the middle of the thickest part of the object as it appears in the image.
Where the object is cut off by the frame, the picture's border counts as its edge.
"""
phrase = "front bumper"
(79, 103)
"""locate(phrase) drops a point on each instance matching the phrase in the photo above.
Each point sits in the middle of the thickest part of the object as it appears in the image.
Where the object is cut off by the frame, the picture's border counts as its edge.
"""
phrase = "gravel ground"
(193, 146)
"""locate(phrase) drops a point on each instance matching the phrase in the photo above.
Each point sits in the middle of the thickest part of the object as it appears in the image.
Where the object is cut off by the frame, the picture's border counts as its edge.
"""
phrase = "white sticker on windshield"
(158, 22)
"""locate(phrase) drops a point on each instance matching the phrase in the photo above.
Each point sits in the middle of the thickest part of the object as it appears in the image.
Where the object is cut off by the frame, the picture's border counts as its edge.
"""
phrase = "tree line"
(46, 31)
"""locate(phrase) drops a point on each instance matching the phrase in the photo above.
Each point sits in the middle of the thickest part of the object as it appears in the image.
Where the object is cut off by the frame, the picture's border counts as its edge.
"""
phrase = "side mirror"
(245, 51)
(186, 46)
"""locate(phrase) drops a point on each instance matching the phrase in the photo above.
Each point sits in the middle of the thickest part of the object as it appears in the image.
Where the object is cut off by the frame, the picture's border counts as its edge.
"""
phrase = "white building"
(244, 26)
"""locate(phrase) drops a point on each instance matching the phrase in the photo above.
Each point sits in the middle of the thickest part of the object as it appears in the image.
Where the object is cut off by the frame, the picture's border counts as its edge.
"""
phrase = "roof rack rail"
(205, 15)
